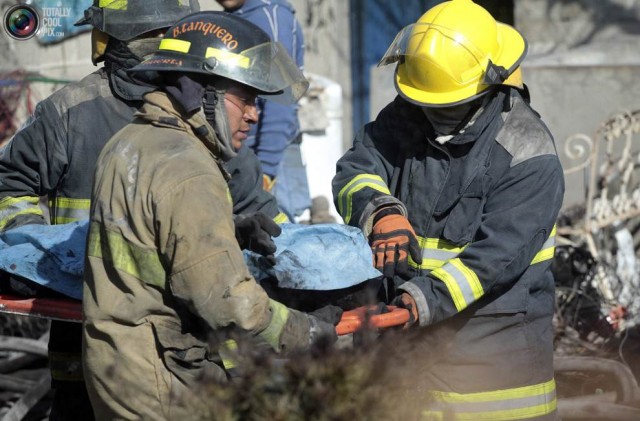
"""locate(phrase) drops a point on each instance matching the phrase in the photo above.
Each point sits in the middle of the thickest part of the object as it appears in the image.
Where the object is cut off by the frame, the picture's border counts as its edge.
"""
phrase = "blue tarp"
(315, 257)
(50, 255)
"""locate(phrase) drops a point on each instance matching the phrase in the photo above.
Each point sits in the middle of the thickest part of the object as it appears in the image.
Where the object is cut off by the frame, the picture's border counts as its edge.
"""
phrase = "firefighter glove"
(392, 240)
(254, 232)
(329, 314)
(406, 301)
(320, 331)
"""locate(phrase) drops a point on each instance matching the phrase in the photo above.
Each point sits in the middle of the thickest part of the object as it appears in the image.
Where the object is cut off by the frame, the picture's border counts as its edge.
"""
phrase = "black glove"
(321, 331)
(323, 323)
(254, 232)
(406, 301)
(328, 314)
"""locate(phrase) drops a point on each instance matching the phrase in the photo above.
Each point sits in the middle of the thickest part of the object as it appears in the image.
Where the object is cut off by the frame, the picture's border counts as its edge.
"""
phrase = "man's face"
(240, 102)
(231, 4)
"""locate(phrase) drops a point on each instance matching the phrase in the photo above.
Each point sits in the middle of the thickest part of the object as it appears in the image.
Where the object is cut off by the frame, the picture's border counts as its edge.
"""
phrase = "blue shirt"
(278, 124)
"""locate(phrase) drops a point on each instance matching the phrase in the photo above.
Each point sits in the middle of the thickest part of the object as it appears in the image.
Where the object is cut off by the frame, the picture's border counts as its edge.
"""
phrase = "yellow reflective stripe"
(229, 198)
(113, 4)
(178, 45)
(506, 404)
(228, 58)
(281, 218)
(279, 317)
(435, 253)
(143, 264)
(462, 282)
(547, 250)
(439, 244)
(544, 255)
(71, 203)
(356, 184)
(66, 209)
(227, 352)
(11, 207)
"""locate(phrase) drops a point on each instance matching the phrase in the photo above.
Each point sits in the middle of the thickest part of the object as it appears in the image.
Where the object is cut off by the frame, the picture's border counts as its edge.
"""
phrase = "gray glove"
(321, 331)
(323, 323)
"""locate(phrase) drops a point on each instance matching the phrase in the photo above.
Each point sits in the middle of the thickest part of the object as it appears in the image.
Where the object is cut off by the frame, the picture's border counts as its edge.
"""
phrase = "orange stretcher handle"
(65, 309)
(355, 319)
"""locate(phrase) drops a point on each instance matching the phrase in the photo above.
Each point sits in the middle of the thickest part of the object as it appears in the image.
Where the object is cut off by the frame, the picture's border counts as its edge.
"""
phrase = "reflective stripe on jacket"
(484, 207)
(55, 152)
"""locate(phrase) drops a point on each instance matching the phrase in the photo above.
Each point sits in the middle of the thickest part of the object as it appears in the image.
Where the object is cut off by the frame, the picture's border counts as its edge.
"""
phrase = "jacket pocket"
(464, 219)
(184, 355)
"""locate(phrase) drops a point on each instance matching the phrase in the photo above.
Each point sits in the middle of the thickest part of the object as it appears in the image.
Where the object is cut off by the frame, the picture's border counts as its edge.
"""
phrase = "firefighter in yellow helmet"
(457, 185)
(165, 281)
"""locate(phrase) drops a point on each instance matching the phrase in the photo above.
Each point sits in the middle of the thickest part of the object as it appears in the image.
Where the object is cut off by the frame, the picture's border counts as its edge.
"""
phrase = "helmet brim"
(287, 92)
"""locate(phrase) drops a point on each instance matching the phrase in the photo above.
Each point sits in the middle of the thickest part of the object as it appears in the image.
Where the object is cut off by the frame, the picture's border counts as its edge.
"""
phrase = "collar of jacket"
(251, 5)
(161, 110)
(483, 118)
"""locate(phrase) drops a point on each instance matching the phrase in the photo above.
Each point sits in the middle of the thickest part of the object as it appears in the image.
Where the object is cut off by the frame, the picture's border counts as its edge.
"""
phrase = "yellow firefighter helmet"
(453, 54)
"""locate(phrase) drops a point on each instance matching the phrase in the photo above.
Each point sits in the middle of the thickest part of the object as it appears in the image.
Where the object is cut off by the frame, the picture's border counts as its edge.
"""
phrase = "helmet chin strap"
(193, 93)
(216, 113)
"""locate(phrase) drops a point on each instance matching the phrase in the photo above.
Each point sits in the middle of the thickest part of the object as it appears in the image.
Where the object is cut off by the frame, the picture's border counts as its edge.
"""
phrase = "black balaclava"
(449, 121)
(120, 56)
(195, 92)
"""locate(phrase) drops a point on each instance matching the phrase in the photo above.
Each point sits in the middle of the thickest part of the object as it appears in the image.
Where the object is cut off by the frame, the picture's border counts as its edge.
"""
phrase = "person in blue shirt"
(276, 138)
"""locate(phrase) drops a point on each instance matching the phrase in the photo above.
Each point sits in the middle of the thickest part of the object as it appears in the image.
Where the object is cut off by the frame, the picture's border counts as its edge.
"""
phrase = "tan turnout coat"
(165, 275)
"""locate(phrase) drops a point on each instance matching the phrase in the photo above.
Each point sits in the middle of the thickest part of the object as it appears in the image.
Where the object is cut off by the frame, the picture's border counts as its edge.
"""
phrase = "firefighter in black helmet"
(55, 153)
(166, 282)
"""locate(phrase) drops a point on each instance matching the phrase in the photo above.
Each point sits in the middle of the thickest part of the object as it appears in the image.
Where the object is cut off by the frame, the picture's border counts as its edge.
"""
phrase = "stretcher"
(67, 309)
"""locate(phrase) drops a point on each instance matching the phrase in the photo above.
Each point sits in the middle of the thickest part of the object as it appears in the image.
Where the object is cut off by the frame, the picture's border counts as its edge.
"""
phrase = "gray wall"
(326, 29)
(583, 67)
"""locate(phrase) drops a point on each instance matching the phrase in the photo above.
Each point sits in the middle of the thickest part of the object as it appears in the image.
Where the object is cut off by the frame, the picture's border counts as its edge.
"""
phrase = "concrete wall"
(326, 30)
(583, 67)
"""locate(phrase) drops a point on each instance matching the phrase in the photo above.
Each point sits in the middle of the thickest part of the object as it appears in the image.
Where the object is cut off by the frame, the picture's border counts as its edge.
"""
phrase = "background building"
(583, 63)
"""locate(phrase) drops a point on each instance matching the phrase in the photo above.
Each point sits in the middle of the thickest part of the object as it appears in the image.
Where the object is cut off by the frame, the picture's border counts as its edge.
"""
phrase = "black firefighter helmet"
(222, 44)
(127, 19)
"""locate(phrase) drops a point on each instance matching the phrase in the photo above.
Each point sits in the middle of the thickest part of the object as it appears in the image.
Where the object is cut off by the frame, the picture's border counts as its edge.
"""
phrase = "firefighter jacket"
(278, 124)
(165, 276)
(484, 206)
(53, 155)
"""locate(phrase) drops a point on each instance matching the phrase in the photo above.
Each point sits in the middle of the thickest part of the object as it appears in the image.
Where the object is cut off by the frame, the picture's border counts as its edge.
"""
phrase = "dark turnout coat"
(484, 206)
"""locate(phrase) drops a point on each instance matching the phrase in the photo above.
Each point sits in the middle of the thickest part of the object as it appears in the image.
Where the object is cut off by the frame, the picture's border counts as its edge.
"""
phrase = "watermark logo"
(21, 21)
